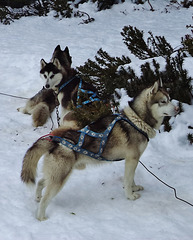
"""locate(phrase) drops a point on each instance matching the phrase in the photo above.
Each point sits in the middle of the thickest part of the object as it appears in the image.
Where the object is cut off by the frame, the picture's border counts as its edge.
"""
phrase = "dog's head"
(158, 101)
(63, 57)
(153, 104)
(51, 73)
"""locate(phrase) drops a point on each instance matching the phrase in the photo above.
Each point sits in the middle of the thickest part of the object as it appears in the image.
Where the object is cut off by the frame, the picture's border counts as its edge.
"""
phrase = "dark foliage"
(37, 8)
(11, 10)
(106, 4)
(177, 80)
(187, 3)
(16, 3)
(61, 8)
(187, 43)
(153, 47)
(103, 74)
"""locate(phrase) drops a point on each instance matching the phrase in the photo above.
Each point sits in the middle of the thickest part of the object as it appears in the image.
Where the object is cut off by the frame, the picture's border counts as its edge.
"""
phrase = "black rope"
(175, 192)
(9, 95)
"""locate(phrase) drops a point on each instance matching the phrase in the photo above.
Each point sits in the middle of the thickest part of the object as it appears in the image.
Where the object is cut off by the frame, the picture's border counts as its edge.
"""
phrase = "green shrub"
(109, 73)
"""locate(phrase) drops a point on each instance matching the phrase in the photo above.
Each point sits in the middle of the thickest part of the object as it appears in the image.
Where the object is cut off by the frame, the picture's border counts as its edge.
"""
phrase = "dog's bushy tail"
(41, 114)
(31, 158)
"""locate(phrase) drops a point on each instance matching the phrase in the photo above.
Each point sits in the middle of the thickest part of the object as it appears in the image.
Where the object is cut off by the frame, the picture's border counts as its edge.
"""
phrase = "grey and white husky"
(146, 111)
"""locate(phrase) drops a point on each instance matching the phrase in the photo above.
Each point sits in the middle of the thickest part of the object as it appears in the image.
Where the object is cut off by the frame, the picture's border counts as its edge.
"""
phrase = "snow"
(92, 204)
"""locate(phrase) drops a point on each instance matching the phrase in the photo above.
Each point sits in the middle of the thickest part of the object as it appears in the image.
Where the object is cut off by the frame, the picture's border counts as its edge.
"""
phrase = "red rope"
(47, 137)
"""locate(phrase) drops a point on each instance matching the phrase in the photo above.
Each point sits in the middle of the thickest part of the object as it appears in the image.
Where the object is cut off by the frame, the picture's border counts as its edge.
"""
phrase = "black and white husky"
(42, 104)
(127, 140)
(61, 85)
(63, 79)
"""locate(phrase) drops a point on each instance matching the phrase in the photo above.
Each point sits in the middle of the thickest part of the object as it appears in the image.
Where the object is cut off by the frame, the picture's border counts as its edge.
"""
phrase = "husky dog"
(59, 76)
(40, 106)
(146, 111)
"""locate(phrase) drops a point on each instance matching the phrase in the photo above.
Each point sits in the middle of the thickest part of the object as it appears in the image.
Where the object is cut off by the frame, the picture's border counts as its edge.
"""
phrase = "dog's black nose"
(47, 85)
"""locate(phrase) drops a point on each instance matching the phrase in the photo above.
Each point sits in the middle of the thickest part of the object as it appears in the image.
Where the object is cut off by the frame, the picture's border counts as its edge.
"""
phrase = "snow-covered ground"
(92, 204)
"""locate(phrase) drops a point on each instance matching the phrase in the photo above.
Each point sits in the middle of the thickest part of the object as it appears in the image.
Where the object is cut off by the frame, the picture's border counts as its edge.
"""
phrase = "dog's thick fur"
(55, 74)
(40, 106)
(125, 142)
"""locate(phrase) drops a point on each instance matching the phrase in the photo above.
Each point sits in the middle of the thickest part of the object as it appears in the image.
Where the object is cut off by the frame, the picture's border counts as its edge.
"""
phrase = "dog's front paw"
(23, 110)
(20, 109)
(137, 188)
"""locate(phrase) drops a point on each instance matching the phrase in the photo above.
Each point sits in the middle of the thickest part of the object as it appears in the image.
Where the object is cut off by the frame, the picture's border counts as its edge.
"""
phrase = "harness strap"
(103, 139)
(92, 98)
(138, 129)
(66, 83)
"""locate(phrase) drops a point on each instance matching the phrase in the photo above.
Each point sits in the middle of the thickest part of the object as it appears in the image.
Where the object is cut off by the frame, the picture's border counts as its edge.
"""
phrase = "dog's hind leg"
(40, 186)
(51, 190)
(130, 166)
(57, 169)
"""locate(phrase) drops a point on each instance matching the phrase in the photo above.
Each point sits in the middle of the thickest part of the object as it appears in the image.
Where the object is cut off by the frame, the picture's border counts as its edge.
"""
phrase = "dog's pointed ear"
(57, 63)
(57, 48)
(154, 88)
(68, 61)
(66, 50)
(42, 63)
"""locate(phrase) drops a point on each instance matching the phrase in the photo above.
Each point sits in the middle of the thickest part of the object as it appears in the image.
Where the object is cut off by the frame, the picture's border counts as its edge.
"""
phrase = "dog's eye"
(51, 76)
(163, 102)
(45, 76)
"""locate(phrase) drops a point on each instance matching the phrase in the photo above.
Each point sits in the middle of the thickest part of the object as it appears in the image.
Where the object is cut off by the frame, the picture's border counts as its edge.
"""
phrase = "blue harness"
(92, 98)
(102, 136)
(93, 95)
